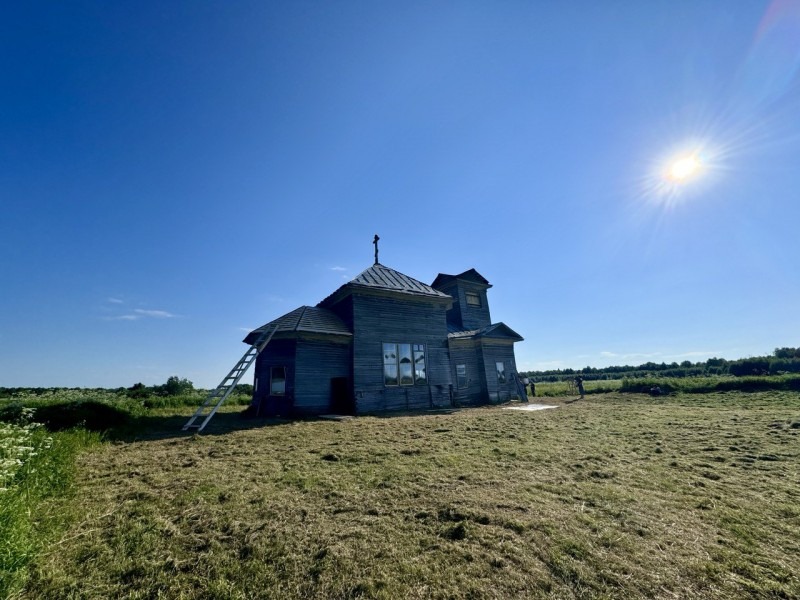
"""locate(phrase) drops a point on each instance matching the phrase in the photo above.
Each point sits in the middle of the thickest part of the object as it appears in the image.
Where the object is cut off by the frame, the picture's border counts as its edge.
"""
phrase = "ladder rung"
(223, 390)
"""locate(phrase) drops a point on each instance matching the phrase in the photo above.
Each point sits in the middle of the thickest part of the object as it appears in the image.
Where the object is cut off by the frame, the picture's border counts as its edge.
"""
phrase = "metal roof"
(496, 330)
(310, 319)
(470, 275)
(380, 277)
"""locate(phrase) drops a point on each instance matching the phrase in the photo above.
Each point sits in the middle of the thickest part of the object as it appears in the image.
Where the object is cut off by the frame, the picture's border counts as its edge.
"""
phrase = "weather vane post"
(375, 241)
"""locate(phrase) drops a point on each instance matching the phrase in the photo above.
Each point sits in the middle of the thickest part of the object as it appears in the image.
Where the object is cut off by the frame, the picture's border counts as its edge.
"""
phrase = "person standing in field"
(525, 382)
(523, 394)
(579, 384)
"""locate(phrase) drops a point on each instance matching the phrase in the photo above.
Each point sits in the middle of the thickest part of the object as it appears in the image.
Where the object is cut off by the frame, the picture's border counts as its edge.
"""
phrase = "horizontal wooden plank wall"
(463, 315)
(468, 353)
(278, 353)
(493, 352)
(318, 361)
(413, 321)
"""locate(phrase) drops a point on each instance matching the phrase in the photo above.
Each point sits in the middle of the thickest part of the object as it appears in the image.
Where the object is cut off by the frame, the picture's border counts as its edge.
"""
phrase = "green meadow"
(618, 495)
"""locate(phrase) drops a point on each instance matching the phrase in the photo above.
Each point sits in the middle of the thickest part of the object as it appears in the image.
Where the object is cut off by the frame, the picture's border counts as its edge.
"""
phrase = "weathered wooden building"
(385, 341)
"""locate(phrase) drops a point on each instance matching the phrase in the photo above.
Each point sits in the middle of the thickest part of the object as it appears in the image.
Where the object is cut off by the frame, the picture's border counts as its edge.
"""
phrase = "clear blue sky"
(173, 174)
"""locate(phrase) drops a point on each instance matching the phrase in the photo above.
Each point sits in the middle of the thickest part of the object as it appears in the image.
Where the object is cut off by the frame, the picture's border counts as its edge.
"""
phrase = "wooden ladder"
(215, 399)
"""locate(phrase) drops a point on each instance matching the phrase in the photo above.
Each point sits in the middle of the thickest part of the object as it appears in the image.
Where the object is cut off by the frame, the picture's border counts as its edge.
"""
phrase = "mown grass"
(41, 435)
(618, 496)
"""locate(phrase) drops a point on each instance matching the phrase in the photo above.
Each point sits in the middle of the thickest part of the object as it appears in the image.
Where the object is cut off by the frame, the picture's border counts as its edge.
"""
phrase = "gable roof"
(309, 319)
(470, 275)
(381, 278)
(495, 330)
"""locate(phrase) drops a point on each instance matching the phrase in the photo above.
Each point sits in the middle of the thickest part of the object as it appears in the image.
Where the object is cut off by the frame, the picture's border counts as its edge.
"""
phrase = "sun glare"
(682, 172)
(684, 168)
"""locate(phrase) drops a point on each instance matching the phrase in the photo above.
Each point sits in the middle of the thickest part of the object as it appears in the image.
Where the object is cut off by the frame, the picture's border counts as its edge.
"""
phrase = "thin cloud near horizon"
(141, 313)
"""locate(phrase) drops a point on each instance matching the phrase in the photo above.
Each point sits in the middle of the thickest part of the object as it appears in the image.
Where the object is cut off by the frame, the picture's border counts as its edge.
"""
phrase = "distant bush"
(244, 388)
(784, 365)
(138, 390)
(90, 414)
(177, 387)
(749, 366)
(702, 385)
(95, 410)
(782, 360)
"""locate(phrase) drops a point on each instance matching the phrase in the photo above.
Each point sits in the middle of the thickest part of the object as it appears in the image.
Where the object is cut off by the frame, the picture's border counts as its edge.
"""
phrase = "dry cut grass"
(617, 496)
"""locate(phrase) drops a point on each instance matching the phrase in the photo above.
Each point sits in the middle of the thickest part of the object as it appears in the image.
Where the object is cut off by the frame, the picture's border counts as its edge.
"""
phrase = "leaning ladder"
(215, 399)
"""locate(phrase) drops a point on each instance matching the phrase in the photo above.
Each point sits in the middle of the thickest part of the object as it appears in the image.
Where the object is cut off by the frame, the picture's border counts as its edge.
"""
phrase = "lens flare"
(684, 168)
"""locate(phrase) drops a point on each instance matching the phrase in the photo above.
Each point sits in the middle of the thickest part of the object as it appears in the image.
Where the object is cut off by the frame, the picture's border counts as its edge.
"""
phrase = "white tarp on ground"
(530, 407)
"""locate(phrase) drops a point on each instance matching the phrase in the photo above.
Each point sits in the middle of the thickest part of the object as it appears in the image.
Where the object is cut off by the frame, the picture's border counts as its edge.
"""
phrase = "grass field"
(548, 389)
(618, 496)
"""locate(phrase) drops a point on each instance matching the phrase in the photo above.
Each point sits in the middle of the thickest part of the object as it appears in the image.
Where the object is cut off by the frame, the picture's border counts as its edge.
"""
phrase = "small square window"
(473, 299)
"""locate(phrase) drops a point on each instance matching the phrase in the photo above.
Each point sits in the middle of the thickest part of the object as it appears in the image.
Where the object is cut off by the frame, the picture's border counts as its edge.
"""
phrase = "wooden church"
(384, 342)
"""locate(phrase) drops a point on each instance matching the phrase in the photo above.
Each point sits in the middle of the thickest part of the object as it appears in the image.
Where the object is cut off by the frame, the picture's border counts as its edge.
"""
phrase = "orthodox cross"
(375, 241)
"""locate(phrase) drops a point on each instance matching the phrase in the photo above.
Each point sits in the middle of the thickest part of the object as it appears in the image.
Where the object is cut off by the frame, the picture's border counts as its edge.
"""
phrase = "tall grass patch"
(36, 467)
(567, 388)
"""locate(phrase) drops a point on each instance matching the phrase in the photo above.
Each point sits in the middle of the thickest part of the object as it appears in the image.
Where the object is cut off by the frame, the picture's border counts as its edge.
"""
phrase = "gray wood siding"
(344, 310)
(317, 362)
(385, 319)
(473, 317)
(462, 315)
(278, 353)
(468, 353)
(493, 352)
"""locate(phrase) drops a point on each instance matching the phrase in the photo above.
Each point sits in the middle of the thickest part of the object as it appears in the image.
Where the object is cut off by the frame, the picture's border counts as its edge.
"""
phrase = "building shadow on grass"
(161, 427)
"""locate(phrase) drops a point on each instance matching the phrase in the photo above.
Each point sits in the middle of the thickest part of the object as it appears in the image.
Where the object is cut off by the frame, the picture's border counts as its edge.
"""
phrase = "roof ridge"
(300, 318)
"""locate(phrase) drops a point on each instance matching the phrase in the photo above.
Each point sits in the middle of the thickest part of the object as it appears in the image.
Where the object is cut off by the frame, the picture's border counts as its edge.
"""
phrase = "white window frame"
(415, 351)
(461, 377)
(272, 381)
(500, 366)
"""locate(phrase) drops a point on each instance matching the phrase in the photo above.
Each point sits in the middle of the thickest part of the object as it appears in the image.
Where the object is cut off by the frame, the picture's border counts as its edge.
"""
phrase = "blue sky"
(173, 174)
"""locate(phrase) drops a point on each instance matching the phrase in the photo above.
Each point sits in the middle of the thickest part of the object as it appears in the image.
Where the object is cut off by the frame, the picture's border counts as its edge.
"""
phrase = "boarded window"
(420, 375)
(501, 372)
(461, 376)
(473, 299)
(277, 378)
(390, 364)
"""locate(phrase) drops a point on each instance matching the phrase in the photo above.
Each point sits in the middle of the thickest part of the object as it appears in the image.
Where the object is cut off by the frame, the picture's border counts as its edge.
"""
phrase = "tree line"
(782, 360)
(174, 386)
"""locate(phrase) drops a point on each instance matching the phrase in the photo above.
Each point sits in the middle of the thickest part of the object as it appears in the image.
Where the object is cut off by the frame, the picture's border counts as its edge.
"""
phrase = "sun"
(684, 168)
(684, 171)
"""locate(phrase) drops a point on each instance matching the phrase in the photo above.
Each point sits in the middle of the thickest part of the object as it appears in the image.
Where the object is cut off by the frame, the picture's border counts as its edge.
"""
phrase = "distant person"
(579, 384)
(523, 395)
(525, 382)
(533, 389)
